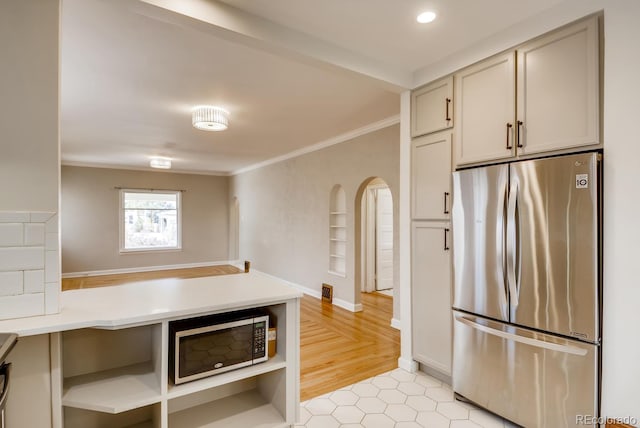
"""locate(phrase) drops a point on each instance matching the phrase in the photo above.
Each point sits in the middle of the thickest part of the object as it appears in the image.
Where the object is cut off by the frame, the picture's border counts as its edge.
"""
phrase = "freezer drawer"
(530, 378)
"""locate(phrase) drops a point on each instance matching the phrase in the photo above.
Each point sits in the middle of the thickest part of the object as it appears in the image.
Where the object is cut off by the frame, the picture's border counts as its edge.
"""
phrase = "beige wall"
(284, 209)
(29, 133)
(90, 218)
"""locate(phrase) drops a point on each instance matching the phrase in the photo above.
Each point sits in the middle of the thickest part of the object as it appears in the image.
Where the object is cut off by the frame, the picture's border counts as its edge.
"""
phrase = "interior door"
(384, 239)
(556, 223)
(479, 201)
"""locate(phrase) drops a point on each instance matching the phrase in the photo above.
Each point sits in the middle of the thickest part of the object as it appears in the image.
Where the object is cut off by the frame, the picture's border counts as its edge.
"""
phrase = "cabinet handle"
(446, 205)
(448, 101)
(446, 244)
(518, 132)
(509, 126)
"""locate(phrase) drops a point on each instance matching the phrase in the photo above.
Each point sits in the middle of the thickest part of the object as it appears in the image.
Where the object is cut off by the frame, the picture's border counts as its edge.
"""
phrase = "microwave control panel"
(259, 339)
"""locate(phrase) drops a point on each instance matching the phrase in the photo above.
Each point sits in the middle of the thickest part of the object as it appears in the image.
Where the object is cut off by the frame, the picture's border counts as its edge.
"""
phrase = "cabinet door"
(431, 177)
(431, 107)
(485, 110)
(558, 87)
(431, 296)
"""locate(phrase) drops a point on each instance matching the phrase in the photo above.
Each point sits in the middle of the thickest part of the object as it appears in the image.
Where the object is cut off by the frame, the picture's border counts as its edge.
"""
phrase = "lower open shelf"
(247, 409)
(113, 391)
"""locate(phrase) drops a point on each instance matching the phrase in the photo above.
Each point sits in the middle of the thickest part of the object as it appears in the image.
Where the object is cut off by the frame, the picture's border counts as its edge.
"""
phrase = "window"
(149, 220)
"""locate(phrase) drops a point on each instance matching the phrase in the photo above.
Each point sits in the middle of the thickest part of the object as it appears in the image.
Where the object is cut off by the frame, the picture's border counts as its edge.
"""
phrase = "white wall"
(29, 166)
(284, 210)
(621, 338)
(90, 218)
(621, 294)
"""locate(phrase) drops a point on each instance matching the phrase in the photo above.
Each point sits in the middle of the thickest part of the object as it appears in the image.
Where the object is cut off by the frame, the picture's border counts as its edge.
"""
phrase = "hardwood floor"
(337, 347)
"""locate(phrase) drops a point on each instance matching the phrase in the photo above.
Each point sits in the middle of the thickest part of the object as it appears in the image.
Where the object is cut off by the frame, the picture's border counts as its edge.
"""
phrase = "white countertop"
(156, 300)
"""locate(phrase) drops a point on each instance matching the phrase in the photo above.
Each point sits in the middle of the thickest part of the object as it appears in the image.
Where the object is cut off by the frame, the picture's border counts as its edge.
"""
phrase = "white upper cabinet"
(432, 107)
(431, 177)
(550, 103)
(558, 105)
(485, 110)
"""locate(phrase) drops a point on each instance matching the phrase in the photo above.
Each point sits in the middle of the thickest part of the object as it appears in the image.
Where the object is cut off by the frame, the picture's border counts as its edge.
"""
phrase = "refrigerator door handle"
(567, 349)
(512, 242)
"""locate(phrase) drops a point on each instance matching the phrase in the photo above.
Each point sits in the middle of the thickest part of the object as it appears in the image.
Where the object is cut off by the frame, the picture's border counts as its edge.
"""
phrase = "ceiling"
(294, 74)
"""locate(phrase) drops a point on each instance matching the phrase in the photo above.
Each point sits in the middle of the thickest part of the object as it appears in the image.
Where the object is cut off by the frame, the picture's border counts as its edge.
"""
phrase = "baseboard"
(433, 372)
(395, 323)
(142, 269)
(318, 294)
(408, 364)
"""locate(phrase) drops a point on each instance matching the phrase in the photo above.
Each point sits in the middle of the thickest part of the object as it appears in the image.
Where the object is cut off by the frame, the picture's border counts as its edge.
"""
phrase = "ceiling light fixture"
(161, 163)
(426, 17)
(210, 118)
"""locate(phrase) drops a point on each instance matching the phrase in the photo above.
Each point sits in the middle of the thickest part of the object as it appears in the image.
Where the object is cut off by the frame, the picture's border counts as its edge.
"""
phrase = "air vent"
(327, 293)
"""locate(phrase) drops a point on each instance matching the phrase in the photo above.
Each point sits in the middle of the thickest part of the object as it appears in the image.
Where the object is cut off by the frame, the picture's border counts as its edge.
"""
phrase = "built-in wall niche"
(337, 231)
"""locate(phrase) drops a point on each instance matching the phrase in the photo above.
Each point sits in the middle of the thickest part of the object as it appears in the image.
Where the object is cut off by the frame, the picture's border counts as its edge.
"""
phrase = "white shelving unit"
(338, 232)
(118, 378)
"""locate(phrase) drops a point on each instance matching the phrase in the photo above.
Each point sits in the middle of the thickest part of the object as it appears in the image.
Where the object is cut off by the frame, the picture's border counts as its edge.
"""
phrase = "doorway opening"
(375, 243)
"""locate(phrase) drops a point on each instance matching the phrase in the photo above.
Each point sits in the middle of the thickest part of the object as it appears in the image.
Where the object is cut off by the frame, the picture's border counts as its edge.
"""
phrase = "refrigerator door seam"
(525, 340)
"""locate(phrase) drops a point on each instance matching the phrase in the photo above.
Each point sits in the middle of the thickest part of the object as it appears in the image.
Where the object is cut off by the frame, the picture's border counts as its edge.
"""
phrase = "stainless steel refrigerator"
(527, 289)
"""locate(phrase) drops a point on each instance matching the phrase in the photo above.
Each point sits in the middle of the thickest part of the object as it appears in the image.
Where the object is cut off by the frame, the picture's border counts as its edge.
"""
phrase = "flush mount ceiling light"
(210, 118)
(161, 163)
(426, 17)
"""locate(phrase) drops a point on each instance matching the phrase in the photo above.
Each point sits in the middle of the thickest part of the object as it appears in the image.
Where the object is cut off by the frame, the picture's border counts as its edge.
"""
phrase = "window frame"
(121, 227)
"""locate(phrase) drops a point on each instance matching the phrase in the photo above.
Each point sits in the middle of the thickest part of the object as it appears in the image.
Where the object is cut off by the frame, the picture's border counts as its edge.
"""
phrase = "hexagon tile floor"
(397, 399)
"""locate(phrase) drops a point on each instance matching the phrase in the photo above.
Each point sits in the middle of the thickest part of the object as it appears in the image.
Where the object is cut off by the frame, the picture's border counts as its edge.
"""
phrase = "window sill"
(151, 250)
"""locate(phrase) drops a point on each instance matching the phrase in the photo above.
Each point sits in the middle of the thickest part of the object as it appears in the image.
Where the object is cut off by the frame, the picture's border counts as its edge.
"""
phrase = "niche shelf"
(337, 231)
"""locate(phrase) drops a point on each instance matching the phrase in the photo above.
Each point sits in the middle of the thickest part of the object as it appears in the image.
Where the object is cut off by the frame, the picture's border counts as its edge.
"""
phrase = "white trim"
(145, 169)
(342, 138)
(395, 323)
(318, 295)
(408, 364)
(145, 269)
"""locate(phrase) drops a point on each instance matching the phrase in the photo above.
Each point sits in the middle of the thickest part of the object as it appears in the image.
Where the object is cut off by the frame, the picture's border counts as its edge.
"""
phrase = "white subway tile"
(51, 241)
(41, 217)
(51, 267)
(11, 234)
(13, 217)
(52, 298)
(34, 281)
(34, 234)
(11, 283)
(25, 305)
(21, 258)
(52, 224)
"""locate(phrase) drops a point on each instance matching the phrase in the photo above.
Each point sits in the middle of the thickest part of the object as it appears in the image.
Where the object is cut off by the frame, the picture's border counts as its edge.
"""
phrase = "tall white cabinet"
(430, 250)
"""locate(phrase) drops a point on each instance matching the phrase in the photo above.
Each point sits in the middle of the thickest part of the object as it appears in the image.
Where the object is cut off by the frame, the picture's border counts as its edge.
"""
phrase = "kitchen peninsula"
(109, 351)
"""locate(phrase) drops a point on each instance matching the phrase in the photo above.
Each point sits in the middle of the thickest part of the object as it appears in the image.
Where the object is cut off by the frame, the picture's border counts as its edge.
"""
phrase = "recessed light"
(161, 163)
(426, 17)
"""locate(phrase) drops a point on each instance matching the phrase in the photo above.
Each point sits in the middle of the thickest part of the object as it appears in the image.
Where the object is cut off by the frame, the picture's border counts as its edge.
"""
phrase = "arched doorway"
(374, 238)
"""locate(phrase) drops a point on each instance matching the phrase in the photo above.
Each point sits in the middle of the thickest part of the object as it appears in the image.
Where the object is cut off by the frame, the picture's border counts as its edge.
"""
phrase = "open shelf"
(247, 409)
(273, 364)
(113, 391)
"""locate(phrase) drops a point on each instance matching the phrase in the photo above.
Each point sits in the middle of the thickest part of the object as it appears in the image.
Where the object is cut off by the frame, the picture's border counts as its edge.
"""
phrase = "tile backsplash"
(29, 264)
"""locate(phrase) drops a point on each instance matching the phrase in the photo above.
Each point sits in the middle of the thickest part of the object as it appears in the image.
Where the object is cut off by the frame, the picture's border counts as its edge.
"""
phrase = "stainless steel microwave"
(204, 346)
